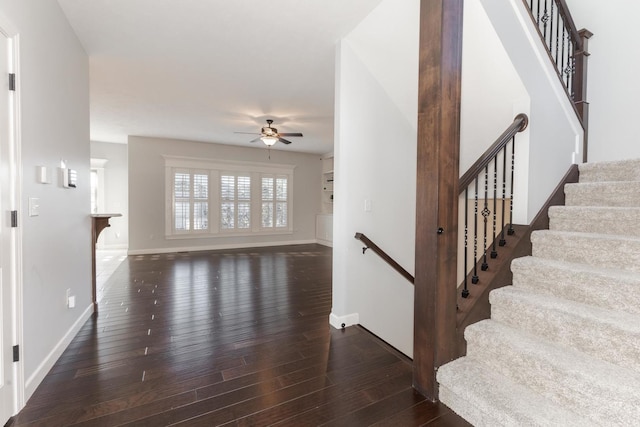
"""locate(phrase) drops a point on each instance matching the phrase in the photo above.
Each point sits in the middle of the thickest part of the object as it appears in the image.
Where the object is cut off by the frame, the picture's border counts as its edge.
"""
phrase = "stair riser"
(575, 391)
(611, 223)
(485, 399)
(584, 287)
(623, 254)
(600, 194)
(608, 342)
(469, 410)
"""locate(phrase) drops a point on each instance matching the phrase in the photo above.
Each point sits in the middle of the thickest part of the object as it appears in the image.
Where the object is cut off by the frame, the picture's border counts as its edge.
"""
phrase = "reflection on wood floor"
(236, 337)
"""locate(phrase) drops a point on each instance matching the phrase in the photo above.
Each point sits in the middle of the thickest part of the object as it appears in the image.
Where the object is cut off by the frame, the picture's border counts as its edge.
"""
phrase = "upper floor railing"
(566, 46)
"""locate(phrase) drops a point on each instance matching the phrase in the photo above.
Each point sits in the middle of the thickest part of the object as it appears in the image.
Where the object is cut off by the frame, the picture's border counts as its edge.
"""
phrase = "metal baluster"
(485, 213)
(558, 38)
(572, 68)
(545, 19)
(564, 30)
(511, 231)
(531, 5)
(475, 278)
(494, 253)
(567, 70)
(465, 290)
(538, 14)
(551, 28)
(504, 191)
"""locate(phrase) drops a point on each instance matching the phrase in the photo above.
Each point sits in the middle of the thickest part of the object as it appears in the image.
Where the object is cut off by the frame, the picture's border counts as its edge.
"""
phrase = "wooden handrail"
(382, 254)
(519, 124)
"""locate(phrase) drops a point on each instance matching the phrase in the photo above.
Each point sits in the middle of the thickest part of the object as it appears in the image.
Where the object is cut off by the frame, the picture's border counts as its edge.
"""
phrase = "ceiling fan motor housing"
(269, 131)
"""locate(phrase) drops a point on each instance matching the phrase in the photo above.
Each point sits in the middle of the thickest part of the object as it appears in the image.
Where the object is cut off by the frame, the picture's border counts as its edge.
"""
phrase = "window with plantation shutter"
(190, 201)
(275, 198)
(235, 202)
(209, 198)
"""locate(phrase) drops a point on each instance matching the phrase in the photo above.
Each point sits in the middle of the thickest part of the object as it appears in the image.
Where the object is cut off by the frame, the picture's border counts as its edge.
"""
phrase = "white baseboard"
(217, 247)
(45, 366)
(118, 246)
(347, 320)
(324, 242)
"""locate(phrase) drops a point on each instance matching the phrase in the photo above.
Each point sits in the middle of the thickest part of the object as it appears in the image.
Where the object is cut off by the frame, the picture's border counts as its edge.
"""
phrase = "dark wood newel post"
(580, 84)
(437, 190)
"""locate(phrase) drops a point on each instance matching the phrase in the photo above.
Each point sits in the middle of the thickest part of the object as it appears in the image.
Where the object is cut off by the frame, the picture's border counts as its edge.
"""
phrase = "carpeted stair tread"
(621, 252)
(618, 170)
(596, 219)
(485, 398)
(614, 193)
(565, 376)
(600, 287)
(611, 336)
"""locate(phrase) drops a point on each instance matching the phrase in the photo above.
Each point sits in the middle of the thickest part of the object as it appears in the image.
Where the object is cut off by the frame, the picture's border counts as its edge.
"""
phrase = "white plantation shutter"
(281, 202)
(275, 197)
(200, 201)
(207, 197)
(243, 184)
(182, 200)
(227, 204)
(235, 203)
(190, 200)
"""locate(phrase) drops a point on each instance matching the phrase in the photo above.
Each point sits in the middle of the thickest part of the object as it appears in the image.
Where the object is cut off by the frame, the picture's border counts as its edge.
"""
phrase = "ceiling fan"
(269, 135)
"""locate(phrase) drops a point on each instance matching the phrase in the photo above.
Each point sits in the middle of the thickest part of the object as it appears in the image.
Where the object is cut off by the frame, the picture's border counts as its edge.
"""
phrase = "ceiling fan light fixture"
(269, 140)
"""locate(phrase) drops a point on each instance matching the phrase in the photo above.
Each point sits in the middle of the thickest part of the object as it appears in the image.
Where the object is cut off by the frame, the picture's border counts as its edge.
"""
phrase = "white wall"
(492, 92)
(54, 93)
(116, 193)
(147, 193)
(613, 70)
(555, 135)
(375, 160)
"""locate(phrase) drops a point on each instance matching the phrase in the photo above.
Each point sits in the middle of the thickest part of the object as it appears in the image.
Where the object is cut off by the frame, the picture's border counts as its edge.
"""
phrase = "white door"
(6, 283)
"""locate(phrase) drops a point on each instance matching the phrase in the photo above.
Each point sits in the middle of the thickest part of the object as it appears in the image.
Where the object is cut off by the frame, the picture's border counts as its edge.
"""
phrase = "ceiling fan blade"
(290, 134)
(256, 140)
(284, 141)
(248, 133)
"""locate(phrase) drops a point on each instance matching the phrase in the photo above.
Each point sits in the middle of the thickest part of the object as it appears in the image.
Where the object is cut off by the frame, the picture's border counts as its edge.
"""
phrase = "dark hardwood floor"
(236, 337)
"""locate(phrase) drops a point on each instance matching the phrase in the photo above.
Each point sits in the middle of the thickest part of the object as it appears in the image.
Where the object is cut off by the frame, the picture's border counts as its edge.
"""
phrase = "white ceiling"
(202, 69)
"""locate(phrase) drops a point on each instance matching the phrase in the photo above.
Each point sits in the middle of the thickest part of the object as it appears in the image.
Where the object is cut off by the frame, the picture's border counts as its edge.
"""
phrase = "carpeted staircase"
(562, 347)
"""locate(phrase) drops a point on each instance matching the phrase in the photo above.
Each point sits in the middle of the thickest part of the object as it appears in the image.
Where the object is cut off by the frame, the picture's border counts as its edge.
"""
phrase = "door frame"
(14, 258)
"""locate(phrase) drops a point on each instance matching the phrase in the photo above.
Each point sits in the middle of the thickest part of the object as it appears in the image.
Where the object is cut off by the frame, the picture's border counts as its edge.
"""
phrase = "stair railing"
(502, 182)
(566, 46)
(382, 254)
